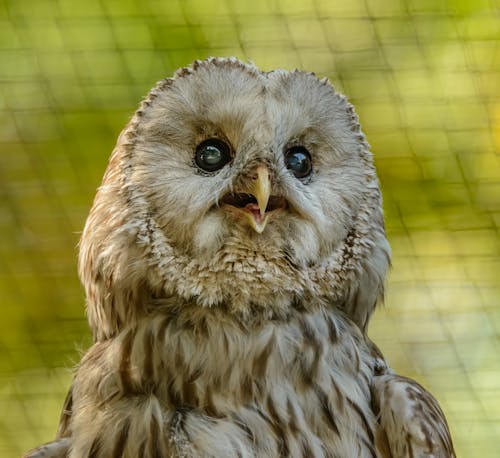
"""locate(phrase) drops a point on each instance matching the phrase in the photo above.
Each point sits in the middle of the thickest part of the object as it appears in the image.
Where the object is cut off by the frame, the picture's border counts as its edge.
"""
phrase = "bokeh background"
(424, 76)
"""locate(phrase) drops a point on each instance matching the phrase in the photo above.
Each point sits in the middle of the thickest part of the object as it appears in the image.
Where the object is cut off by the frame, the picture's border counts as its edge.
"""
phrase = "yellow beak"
(260, 188)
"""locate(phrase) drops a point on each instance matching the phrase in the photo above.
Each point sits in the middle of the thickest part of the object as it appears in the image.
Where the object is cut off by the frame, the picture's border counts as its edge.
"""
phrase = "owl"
(231, 261)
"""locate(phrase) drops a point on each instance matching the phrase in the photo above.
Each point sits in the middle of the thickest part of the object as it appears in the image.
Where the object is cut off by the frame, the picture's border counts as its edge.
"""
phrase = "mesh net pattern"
(424, 78)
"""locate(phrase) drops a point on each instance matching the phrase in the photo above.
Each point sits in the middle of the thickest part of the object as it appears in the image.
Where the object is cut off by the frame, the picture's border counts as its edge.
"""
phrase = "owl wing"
(411, 422)
(58, 448)
(55, 449)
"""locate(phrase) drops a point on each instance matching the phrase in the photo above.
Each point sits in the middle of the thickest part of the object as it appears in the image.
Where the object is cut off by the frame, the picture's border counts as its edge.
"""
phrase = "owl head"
(236, 191)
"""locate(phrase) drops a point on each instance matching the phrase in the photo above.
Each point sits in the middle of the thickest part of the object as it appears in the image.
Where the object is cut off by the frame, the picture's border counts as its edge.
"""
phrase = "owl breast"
(202, 386)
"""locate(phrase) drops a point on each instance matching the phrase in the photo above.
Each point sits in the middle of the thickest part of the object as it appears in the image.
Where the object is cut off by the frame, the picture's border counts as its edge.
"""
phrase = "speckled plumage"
(215, 340)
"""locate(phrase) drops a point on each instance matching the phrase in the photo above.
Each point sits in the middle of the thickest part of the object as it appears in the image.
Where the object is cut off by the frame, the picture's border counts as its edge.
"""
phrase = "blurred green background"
(424, 77)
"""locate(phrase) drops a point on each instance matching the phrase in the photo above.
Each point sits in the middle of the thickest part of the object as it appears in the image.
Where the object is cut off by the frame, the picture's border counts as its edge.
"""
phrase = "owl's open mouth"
(247, 204)
(243, 200)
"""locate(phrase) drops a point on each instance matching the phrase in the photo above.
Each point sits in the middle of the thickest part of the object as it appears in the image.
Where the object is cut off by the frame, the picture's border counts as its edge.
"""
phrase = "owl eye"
(212, 154)
(298, 160)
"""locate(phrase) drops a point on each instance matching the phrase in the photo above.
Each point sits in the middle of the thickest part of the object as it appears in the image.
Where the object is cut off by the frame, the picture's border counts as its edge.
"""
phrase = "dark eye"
(212, 154)
(298, 160)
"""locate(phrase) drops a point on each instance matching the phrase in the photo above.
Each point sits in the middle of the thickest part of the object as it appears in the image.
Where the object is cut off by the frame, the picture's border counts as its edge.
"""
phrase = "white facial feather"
(209, 234)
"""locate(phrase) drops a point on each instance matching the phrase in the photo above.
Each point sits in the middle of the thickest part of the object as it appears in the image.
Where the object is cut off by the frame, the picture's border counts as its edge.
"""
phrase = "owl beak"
(260, 188)
(254, 202)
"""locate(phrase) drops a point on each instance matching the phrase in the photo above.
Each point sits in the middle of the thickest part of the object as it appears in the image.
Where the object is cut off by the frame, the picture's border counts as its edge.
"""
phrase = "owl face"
(235, 187)
(267, 161)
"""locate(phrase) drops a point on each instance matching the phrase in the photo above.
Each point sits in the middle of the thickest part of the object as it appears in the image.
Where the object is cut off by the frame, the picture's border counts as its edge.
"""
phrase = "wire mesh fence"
(424, 76)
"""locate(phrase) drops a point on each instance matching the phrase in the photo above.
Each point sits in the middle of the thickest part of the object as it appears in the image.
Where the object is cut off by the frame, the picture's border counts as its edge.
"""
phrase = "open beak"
(255, 202)
(260, 188)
